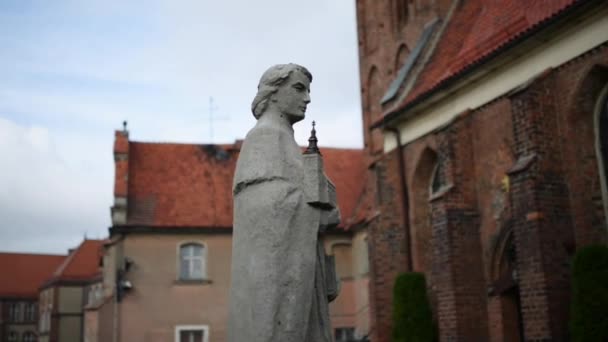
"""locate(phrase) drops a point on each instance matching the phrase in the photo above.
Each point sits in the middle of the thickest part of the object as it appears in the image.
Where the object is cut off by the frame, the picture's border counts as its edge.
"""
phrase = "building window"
(345, 334)
(12, 336)
(30, 312)
(29, 337)
(365, 257)
(41, 322)
(372, 26)
(44, 324)
(343, 259)
(192, 262)
(192, 333)
(401, 13)
(402, 54)
(95, 294)
(14, 312)
(437, 182)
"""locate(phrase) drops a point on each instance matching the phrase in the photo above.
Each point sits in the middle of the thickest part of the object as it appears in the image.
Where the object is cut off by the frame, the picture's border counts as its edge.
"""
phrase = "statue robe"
(278, 287)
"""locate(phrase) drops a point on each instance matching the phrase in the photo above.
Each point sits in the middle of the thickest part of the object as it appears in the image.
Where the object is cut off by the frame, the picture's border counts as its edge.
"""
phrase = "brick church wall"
(524, 162)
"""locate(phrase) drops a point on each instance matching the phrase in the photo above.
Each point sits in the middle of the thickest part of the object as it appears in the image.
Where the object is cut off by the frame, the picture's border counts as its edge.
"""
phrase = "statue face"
(293, 96)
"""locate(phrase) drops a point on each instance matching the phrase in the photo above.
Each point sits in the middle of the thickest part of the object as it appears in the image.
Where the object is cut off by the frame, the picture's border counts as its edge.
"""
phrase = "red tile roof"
(81, 264)
(477, 29)
(22, 274)
(186, 185)
(348, 171)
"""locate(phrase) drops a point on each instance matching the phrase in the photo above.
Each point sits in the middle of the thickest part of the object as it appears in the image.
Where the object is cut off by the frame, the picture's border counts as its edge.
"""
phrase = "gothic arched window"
(401, 13)
(601, 123)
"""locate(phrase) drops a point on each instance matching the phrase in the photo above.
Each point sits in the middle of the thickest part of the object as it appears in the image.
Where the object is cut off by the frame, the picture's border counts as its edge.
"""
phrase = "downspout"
(115, 316)
(115, 312)
(404, 196)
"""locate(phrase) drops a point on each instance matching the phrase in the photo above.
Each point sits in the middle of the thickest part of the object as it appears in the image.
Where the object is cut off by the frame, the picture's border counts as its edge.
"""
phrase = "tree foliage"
(589, 318)
(412, 317)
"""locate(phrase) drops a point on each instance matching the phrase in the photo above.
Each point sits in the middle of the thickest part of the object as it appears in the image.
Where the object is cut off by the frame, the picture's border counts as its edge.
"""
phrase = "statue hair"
(270, 82)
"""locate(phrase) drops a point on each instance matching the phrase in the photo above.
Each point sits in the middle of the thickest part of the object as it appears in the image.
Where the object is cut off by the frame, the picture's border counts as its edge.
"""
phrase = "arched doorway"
(506, 288)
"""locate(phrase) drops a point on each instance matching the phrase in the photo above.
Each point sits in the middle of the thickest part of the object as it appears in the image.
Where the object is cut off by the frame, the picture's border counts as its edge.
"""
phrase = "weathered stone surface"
(279, 285)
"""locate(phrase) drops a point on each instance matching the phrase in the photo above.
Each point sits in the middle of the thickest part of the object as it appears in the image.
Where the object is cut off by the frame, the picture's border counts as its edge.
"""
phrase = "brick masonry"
(521, 171)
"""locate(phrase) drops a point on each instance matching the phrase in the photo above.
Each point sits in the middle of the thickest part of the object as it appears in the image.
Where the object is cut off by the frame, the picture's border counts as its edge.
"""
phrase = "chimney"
(121, 176)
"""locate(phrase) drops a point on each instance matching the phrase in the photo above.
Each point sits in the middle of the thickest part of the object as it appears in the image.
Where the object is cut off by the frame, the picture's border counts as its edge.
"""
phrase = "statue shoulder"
(262, 139)
(261, 158)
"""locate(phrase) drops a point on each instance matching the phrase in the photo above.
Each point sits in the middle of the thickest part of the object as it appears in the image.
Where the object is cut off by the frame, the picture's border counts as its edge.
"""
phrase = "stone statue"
(282, 281)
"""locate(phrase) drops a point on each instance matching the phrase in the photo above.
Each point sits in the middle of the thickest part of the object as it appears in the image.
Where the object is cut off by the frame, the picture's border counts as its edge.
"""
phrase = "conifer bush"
(589, 305)
(412, 317)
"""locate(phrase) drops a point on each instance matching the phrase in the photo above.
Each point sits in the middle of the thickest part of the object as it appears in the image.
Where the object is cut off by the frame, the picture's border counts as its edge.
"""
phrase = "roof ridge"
(66, 262)
(178, 143)
(64, 267)
(32, 254)
(228, 145)
(449, 71)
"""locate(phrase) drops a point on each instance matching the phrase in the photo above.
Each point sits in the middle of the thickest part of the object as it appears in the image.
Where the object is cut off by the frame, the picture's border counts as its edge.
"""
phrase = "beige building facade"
(63, 296)
(21, 275)
(166, 265)
(159, 301)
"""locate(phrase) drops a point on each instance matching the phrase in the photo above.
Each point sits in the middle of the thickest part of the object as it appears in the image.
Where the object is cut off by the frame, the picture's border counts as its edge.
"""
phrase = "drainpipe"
(405, 198)
(115, 316)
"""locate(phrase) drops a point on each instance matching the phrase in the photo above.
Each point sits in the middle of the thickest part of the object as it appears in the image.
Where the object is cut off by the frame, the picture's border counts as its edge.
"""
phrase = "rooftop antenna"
(212, 109)
(124, 126)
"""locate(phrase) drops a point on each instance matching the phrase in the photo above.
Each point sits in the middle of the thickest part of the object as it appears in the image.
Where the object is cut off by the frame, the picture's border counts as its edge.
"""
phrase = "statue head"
(285, 87)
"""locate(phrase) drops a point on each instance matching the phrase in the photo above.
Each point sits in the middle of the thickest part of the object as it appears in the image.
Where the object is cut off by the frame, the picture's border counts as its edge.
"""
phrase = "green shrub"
(412, 318)
(588, 315)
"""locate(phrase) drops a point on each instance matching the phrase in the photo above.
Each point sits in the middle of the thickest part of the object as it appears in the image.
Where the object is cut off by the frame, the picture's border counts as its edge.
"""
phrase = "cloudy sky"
(72, 70)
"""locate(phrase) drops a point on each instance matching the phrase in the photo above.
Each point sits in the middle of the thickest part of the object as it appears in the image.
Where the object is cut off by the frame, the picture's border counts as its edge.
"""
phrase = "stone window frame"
(600, 106)
(14, 312)
(204, 253)
(29, 313)
(438, 183)
(349, 244)
(29, 336)
(342, 334)
(433, 178)
(203, 328)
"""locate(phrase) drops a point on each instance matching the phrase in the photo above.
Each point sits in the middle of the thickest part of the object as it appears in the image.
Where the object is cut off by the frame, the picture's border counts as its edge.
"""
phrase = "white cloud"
(42, 196)
(74, 70)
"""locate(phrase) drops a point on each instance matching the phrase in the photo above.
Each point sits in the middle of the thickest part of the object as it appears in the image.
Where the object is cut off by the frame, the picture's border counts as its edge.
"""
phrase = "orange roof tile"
(476, 30)
(187, 185)
(348, 171)
(81, 264)
(180, 185)
(22, 274)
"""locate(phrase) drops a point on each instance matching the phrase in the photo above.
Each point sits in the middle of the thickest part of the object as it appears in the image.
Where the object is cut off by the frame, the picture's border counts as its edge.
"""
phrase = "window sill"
(441, 192)
(188, 282)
